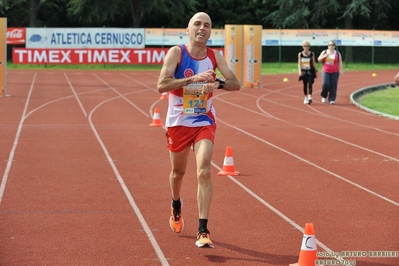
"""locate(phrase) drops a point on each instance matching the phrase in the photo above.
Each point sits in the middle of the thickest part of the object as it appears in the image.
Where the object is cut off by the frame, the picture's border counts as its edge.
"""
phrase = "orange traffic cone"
(164, 95)
(228, 164)
(308, 254)
(156, 121)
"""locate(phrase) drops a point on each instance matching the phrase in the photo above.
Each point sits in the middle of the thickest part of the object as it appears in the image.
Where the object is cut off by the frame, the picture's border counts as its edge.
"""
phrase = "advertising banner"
(286, 37)
(252, 56)
(125, 38)
(386, 38)
(3, 57)
(283, 37)
(16, 35)
(89, 56)
(97, 38)
(355, 38)
(233, 49)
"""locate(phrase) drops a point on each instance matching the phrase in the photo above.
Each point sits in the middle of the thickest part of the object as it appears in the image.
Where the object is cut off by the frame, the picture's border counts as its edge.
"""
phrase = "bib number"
(194, 102)
(306, 63)
(330, 59)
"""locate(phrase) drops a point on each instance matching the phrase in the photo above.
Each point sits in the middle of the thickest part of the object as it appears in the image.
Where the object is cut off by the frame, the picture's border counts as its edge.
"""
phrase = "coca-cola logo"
(15, 34)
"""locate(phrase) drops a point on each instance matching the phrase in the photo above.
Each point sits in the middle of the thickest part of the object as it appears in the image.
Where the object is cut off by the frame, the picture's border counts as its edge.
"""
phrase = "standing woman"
(307, 71)
(332, 69)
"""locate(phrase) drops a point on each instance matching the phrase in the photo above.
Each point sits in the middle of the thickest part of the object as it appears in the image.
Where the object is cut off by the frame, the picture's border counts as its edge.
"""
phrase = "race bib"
(330, 59)
(305, 63)
(194, 102)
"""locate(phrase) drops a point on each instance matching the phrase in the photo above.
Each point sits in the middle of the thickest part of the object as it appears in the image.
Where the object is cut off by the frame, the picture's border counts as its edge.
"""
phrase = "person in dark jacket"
(307, 71)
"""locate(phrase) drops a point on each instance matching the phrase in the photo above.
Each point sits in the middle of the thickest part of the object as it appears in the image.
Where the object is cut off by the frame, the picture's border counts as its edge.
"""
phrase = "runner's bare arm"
(323, 55)
(166, 81)
(232, 83)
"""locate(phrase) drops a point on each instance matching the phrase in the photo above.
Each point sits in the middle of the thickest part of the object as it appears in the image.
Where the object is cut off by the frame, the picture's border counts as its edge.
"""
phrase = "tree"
(15, 12)
(34, 9)
(171, 14)
(94, 12)
(236, 11)
(328, 14)
(33, 13)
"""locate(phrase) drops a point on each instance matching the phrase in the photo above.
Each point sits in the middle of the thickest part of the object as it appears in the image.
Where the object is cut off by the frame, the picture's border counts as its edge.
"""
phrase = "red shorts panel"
(179, 137)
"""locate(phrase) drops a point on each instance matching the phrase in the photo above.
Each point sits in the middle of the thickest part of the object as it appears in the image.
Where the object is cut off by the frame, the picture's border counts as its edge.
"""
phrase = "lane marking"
(136, 209)
(16, 139)
(312, 164)
(75, 94)
(276, 211)
(128, 194)
(122, 96)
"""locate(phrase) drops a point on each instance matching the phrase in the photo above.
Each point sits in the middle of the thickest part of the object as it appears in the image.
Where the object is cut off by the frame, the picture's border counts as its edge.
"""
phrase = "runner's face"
(199, 28)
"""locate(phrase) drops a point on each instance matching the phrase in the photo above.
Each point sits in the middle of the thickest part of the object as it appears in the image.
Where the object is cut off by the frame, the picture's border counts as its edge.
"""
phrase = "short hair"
(199, 14)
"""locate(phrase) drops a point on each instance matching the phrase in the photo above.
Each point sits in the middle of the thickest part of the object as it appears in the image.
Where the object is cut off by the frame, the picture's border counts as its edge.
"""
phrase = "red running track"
(85, 178)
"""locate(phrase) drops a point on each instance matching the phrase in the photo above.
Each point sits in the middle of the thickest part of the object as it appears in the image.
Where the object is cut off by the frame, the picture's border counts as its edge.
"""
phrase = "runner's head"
(199, 27)
(306, 44)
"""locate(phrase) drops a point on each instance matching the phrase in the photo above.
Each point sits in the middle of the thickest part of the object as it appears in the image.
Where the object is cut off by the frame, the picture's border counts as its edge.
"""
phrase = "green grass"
(267, 68)
(385, 101)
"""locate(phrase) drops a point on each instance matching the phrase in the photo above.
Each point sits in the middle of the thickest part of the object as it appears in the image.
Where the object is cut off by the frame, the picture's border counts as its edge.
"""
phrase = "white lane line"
(276, 211)
(140, 217)
(122, 96)
(317, 112)
(15, 144)
(312, 164)
(354, 145)
(76, 95)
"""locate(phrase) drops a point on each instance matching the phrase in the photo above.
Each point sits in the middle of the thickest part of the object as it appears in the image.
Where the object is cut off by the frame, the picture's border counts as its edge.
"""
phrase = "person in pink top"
(331, 71)
(397, 78)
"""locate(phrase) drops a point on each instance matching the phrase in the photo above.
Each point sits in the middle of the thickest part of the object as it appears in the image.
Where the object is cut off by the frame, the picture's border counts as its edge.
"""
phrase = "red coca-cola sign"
(16, 35)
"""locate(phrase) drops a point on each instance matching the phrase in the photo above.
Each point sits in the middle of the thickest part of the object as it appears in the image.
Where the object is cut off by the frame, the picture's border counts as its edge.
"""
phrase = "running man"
(188, 74)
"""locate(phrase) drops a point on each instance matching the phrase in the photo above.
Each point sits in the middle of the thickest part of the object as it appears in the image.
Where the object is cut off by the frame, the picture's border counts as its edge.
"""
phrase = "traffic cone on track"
(156, 120)
(228, 164)
(164, 95)
(308, 253)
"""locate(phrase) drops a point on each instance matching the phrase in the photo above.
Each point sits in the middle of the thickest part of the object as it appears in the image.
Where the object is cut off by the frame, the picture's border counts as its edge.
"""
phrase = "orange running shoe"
(176, 220)
(204, 240)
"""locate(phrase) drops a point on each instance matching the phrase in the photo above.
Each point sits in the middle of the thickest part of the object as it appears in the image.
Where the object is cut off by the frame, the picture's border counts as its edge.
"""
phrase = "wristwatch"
(221, 82)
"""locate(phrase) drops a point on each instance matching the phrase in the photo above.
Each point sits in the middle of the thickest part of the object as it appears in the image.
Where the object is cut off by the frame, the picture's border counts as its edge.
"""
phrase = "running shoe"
(204, 240)
(305, 101)
(176, 221)
(332, 102)
(310, 100)
(323, 100)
